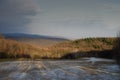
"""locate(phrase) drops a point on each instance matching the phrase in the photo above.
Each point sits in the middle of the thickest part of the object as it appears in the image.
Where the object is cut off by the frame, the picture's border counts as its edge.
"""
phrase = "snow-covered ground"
(83, 69)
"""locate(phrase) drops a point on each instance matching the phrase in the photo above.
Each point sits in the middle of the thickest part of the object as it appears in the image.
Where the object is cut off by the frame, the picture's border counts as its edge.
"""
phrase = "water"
(83, 69)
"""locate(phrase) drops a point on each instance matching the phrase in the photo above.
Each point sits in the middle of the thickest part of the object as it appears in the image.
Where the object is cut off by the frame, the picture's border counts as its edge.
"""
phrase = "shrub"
(89, 39)
(96, 46)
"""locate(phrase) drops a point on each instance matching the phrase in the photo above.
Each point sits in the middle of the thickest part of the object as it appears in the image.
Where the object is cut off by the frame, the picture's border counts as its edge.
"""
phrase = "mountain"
(37, 40)
(23, 35)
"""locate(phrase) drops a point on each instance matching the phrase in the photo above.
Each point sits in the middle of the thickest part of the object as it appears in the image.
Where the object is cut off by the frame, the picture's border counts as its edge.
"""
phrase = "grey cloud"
(18, 7)
(15, 13)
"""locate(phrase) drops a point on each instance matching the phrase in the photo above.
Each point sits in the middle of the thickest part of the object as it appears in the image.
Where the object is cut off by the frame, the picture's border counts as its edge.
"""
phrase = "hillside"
(84, 47)
(87, 44)
(13, 49)
(33, 39)
(68, 49)
(1, 36)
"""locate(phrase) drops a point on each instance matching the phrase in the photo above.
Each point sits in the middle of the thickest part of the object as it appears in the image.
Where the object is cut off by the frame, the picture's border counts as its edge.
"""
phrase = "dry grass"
(82, 46)
(13, 49)
(1, 36)
(87, 44)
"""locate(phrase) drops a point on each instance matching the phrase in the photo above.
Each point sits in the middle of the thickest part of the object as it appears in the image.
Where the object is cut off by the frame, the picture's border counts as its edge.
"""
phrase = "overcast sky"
(66, 18)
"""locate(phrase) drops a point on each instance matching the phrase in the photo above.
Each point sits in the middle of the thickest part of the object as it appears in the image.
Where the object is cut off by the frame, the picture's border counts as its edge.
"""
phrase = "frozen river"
(83, 69)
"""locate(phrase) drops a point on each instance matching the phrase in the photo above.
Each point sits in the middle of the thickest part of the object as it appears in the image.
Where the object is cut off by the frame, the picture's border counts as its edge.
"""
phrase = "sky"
(71, 19)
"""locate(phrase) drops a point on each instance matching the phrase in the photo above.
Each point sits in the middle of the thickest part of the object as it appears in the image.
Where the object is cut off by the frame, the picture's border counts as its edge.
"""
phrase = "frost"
(93, 60)
(60, 70)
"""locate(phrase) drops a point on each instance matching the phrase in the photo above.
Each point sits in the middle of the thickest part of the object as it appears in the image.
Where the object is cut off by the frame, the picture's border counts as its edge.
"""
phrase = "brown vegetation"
(13, 49)
(88, 47)
(87, 44)
(1, 36)
(38, 42)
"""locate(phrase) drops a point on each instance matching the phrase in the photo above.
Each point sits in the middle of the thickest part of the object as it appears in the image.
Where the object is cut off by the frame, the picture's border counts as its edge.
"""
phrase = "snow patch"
(93, 60)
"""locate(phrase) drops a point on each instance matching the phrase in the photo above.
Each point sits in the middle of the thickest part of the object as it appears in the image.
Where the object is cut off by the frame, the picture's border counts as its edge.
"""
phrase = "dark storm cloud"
(14, 14)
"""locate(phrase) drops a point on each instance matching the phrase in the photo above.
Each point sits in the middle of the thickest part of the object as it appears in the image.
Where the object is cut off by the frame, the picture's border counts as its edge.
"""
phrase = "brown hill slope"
(34, 39)
(87, 44)
(13, 49)
(39, 42)
(83, 47)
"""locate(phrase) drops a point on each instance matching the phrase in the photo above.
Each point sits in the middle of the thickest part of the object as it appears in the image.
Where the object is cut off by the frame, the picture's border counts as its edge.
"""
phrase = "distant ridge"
(36, 36)
(36, 40)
